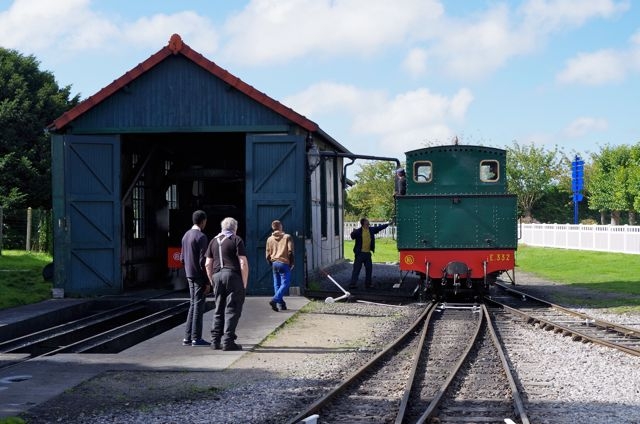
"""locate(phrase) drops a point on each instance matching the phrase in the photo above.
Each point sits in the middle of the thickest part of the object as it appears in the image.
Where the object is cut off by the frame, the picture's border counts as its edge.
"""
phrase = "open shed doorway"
(165, 177)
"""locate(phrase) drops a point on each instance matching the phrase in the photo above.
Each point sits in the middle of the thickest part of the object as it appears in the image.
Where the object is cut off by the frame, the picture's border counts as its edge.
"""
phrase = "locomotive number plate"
(499, 257)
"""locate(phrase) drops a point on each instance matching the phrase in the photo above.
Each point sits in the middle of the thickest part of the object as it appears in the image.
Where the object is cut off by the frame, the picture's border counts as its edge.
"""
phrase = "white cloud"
(404, 122)
(412, 110)
(602, 66)
(589, 68)
(276, 31)
(415, 63)
(476, 46)
(557, 15)
(596, 68)
(152, 32)
(36, 25)
(414, 138)
(585, 125)
(634, 52)
(45, 27)
(472, 48)
(328, 97)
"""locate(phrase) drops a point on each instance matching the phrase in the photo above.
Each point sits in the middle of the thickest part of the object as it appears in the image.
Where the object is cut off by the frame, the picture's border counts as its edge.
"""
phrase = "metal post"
(29, 218)
(577, 183)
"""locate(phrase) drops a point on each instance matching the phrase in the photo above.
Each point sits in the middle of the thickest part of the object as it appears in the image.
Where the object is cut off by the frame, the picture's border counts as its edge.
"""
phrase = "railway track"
(577, 325)
(106, 331)
(447, 367)
(483, 389)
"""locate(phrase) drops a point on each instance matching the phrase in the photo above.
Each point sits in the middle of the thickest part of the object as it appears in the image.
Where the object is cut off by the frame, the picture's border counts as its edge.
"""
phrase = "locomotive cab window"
(422, 172)
(489, 171)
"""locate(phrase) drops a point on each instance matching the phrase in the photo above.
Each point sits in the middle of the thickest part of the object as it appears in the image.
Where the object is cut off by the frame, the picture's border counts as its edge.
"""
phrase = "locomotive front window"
(489, 171)
(422, 172)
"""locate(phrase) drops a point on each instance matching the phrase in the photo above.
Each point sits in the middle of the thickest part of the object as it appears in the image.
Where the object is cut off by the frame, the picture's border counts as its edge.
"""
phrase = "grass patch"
(21, 281)
(601, 272)
(610, 272)
(12, 420)
(386, 251)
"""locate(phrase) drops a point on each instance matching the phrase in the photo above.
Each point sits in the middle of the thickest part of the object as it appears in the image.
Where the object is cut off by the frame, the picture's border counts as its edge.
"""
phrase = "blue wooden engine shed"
(174, 134)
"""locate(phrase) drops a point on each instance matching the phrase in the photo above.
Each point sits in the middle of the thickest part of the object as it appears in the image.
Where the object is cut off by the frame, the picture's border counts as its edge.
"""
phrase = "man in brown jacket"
(279, 253)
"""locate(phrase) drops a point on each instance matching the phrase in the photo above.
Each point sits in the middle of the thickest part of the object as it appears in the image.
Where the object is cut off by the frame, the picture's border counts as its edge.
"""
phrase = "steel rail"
(519, 408)
(324, 400)
(404, 402)
(69, 327)
(121, 331)
(626, 332)
(435, 402)
(27, 340)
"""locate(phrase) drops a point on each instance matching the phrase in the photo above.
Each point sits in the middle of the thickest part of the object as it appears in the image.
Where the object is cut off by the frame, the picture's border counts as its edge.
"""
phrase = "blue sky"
(381, 77)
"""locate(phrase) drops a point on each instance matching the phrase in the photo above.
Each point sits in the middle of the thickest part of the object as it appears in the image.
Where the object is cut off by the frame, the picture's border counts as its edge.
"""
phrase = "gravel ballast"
(564, 381)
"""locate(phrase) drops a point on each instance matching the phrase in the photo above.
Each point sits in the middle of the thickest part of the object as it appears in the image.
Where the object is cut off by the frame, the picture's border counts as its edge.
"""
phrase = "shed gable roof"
(177, 46)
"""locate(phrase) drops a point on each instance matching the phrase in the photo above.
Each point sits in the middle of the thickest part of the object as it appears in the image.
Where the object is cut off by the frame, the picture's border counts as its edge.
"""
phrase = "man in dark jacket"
(365, 245)
(194, 246)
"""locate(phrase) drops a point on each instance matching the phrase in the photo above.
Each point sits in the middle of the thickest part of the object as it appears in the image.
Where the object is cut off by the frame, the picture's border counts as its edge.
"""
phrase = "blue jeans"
(281, 280)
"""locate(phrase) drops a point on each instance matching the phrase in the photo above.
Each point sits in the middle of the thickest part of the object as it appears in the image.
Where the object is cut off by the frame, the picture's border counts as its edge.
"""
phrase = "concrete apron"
(34, 382)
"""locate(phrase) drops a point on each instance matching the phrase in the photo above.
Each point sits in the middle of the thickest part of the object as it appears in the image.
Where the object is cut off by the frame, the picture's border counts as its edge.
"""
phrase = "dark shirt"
(401, 185)
(194, 246)
(231, 248)
(357, 236)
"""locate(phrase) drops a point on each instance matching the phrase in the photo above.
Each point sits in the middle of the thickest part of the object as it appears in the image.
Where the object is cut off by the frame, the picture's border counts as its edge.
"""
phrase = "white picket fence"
(603, 238)
(389, 232)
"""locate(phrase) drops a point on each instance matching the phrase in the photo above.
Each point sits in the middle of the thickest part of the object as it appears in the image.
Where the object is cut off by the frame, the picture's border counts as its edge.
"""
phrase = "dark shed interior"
(165, 177)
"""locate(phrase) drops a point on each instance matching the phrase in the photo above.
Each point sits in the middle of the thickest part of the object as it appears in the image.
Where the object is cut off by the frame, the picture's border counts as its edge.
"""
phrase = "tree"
(30, 99)
(555, 206)
(633, 182)
(531, 172)
(372, 194)
(614, 183)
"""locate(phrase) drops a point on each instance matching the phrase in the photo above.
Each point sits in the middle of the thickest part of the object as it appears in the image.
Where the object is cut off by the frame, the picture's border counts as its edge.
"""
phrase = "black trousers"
(193, 327)
(229, 294)
(362, 258)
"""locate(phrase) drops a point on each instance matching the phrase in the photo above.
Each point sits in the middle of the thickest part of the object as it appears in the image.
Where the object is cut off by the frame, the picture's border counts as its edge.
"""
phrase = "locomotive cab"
(457, 225)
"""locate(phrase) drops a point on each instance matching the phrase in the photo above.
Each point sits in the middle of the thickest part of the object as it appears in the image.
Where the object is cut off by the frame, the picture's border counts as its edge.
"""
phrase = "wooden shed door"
(275, 190)
(91, 223)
